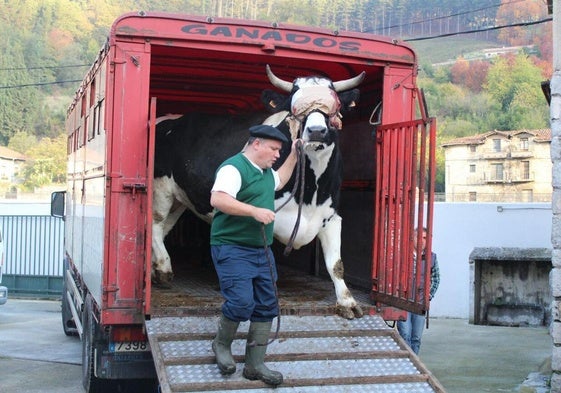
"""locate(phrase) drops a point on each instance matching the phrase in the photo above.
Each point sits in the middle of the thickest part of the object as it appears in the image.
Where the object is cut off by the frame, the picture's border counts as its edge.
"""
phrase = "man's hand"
(263, 215)
(230, 205)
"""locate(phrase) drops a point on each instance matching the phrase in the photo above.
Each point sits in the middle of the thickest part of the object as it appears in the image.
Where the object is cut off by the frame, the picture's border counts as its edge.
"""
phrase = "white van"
(3, 290)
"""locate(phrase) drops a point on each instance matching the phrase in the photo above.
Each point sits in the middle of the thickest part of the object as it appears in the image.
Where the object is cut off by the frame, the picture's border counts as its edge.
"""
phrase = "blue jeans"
(247, 277)
(411, 330)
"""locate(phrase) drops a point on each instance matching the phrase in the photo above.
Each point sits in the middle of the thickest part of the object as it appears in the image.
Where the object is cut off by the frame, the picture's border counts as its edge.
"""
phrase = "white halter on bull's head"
(315, 106)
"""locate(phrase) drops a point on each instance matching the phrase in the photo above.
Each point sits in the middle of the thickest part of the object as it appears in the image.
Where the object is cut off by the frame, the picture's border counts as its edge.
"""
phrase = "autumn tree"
(46, 163)
(459, 70)
(516, 12)
(515, 83)
(22, 142)
(471, 74)
(544, 43)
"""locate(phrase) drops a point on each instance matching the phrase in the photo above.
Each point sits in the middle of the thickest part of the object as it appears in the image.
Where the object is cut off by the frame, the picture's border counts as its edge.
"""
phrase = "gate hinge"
(109, 289)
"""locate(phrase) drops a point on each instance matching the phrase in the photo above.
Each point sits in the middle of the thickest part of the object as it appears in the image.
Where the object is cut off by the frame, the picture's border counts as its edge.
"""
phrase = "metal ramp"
(314, 353)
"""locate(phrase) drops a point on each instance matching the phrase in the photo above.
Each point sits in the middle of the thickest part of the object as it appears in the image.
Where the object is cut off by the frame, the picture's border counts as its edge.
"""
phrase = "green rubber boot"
(255, 349)
(222, 345)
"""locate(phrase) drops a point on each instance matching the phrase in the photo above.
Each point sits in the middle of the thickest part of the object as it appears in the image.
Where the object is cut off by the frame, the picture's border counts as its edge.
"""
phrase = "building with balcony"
(499, 166)
(10, 163)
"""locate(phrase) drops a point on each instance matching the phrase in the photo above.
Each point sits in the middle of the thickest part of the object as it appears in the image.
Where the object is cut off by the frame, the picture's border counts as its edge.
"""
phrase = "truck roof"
(217, 64)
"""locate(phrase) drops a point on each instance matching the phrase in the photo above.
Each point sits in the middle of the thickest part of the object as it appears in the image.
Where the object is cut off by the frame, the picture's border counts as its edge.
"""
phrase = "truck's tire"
(68, 324)
(91, 383)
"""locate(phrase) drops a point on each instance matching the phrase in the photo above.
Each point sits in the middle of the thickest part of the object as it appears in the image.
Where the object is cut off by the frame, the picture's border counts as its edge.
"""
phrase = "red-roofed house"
(10, 163)
(499, 166)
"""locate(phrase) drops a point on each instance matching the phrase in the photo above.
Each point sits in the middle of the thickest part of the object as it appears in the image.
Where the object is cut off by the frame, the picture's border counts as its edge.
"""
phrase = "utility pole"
(554, 7)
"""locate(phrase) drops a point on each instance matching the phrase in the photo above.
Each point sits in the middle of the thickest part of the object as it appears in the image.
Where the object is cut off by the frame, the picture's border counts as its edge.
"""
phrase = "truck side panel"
(85, 201)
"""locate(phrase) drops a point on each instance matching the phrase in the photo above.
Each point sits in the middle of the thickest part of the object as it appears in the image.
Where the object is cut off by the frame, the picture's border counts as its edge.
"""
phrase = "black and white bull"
(190, 148)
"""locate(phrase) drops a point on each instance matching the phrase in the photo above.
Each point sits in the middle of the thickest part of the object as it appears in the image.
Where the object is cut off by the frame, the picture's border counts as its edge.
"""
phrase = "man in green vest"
(242, 231)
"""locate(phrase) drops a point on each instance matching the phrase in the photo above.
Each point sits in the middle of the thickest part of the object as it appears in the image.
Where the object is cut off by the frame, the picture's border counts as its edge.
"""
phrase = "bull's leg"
(177, 210)
(161, 262)
(330, 238)
(162, 203)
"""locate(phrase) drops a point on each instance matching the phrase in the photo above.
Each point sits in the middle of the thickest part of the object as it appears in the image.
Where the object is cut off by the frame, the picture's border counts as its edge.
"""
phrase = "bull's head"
(314, 105)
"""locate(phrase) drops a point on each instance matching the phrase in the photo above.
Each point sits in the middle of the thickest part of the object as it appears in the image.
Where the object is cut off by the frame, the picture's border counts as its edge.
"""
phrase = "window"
(496, 145)
(83, 133)
(472, 148)
(83, 108)
(524, 144)
(92, 125)
(100, 107)
(497, 173)
(526, 170)
(473, 196)
(4, 172)
(92, 92)
(472, 168)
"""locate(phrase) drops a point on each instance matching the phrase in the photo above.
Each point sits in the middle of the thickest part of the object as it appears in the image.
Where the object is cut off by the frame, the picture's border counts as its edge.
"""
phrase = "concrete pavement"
(37, 357)
(475, 359)
(35, 354)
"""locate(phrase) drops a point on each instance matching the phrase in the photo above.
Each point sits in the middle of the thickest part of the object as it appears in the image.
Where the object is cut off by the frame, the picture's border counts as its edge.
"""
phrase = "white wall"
(9, 207)
(460, 227)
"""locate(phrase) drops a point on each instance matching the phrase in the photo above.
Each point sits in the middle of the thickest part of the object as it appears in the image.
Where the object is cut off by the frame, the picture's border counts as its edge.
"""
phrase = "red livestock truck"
(155, 64)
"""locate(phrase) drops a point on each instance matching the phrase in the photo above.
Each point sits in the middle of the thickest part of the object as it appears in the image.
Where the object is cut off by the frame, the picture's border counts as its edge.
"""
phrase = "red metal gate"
(405, 167)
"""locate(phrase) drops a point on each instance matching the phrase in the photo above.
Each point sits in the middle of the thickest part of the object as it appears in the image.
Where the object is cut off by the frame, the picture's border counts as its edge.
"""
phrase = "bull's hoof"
(161, 285)
(349, 312)
(357, 310)
(162, 280)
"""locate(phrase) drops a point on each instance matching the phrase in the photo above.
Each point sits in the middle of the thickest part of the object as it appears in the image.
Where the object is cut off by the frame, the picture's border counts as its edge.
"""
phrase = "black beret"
(267, 132)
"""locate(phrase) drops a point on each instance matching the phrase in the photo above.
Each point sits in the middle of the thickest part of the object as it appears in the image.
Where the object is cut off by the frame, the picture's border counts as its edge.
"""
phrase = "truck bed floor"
(196, 292)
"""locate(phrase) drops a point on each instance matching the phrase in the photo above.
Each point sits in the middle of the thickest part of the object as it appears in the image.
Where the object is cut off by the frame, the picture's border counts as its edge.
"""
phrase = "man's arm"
(229, 205)
(434, 276)
(286, 169)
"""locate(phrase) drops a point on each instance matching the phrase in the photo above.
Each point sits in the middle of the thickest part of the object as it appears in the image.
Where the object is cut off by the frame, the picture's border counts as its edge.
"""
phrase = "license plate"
(129, 346)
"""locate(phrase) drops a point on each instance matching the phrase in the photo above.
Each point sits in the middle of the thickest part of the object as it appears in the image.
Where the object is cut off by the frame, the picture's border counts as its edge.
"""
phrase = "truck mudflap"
(314, 353)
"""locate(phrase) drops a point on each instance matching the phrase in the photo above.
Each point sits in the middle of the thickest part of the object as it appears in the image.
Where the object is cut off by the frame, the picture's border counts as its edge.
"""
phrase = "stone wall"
(555, 278)
(509, 286)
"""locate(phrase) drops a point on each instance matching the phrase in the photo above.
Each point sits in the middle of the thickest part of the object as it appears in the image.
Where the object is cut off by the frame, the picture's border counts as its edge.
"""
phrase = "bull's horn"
(349, 84)
(278, 82)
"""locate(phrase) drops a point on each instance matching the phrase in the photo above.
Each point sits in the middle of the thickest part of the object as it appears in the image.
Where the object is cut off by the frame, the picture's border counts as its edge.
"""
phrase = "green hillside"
(449, 48)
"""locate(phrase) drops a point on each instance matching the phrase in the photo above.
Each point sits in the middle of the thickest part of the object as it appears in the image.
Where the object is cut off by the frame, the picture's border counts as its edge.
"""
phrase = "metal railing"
(33, 252)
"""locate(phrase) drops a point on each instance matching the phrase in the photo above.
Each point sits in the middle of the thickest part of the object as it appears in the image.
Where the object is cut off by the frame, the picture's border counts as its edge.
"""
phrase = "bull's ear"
(275, 102)
(349, 99)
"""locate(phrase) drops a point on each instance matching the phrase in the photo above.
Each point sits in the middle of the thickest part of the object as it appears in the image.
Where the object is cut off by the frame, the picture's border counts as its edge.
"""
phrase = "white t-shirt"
(229, 180)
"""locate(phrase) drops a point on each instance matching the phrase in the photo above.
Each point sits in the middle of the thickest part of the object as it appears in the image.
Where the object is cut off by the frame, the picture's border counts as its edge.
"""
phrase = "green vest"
(257, 189)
